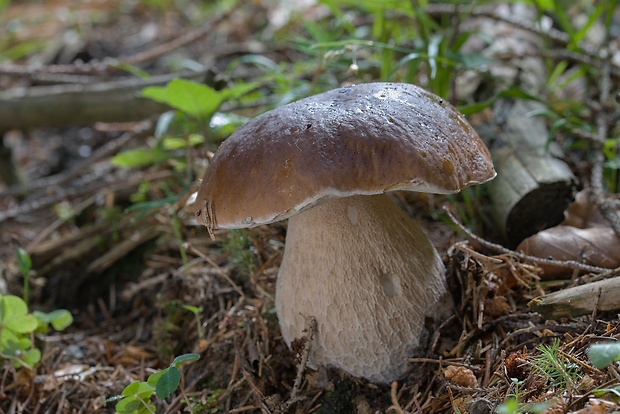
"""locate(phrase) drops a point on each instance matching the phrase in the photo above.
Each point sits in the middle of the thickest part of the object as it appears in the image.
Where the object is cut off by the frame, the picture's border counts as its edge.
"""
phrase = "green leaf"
(24, 261)
(21, 323)
(24, 343)
(3, 5)
(42, 317)
(133, 405)
(518, 93)
(9, 343)
(175, 143)
(22, 355)
(613, 164)
(31, 357)
(237, 91)
(11, 305)
(147, 206)
(610, 148)
(14, 315)
(193, 309)
(153, 378)
(509, 407)
(556, 73)
(593, 17)
(21, 50)
(563, 19)
(546, 5)
(192, 98)
(140, 157)
(602, 391)
(168, 382)
(476, 107)
(512, 406)
(139, 389)
(185, 358)
(147, 409)
(128, 405)
(603, 355)
(61, 319)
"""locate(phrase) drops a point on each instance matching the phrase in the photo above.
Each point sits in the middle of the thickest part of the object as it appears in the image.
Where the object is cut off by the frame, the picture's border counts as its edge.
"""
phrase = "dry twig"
(113, 64)
(310, 329)
(498, 248)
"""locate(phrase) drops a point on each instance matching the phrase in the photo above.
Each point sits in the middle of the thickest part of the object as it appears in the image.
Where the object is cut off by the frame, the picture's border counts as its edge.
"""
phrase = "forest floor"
(118, 245)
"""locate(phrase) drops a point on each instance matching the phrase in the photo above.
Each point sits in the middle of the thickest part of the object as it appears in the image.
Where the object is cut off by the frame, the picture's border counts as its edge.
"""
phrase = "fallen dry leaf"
(584, 236)
(596, 246)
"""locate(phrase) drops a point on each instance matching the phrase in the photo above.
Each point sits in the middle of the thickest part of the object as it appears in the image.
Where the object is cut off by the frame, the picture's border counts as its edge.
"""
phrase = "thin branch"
(501, 249)
(82, 167)
(310, 329)
(103, 180)
(112, 64)
(394, 398)
(607, 206)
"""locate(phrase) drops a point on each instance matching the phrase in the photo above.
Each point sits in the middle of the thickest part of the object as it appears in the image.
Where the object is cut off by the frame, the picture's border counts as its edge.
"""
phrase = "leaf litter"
(130, 305)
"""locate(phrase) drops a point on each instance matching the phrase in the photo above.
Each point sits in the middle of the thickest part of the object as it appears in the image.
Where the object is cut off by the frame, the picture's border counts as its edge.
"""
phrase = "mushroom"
(353, 260)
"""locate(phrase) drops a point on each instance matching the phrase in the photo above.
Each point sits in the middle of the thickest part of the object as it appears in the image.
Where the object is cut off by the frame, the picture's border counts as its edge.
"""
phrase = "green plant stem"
(146, 404)
(14, 358)
(199, 327)
(26, 288)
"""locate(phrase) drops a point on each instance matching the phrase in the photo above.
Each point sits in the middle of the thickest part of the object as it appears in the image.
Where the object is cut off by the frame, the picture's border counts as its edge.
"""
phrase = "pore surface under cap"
(363, 139)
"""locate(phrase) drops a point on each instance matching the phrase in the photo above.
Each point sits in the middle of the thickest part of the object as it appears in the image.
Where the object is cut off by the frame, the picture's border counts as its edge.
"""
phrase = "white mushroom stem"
(369, 276)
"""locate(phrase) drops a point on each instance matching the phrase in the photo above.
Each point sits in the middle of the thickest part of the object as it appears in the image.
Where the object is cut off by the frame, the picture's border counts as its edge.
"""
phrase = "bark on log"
(532, 187)
(76, 105)
(580, 300)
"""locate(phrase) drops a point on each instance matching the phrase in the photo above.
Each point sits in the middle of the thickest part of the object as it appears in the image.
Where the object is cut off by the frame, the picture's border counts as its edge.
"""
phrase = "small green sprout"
(603, 355)
(551, 364)
(17, 328)
(136, 397)
(196, 311)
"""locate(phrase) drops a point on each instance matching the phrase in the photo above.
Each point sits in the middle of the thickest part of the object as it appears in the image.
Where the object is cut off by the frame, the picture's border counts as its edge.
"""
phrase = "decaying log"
(533, 186)
(76, 105)
(580, 300)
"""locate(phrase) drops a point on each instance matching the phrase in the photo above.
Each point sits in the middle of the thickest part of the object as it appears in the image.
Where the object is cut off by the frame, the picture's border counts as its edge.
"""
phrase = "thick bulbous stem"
(369, 276)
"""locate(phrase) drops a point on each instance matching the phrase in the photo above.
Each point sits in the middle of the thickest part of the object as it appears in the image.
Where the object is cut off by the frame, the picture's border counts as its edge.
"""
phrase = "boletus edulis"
(353, 260)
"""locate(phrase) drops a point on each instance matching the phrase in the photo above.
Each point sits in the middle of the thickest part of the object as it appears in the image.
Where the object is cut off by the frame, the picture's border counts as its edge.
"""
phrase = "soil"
(120, 249)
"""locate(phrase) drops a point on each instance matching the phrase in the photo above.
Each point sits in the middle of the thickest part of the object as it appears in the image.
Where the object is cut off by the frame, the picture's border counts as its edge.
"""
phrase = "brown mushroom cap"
(364, 139)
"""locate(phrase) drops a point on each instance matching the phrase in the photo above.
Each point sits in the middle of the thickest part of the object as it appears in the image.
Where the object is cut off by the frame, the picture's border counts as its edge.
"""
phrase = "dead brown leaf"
(584, 236)
(596, 246)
